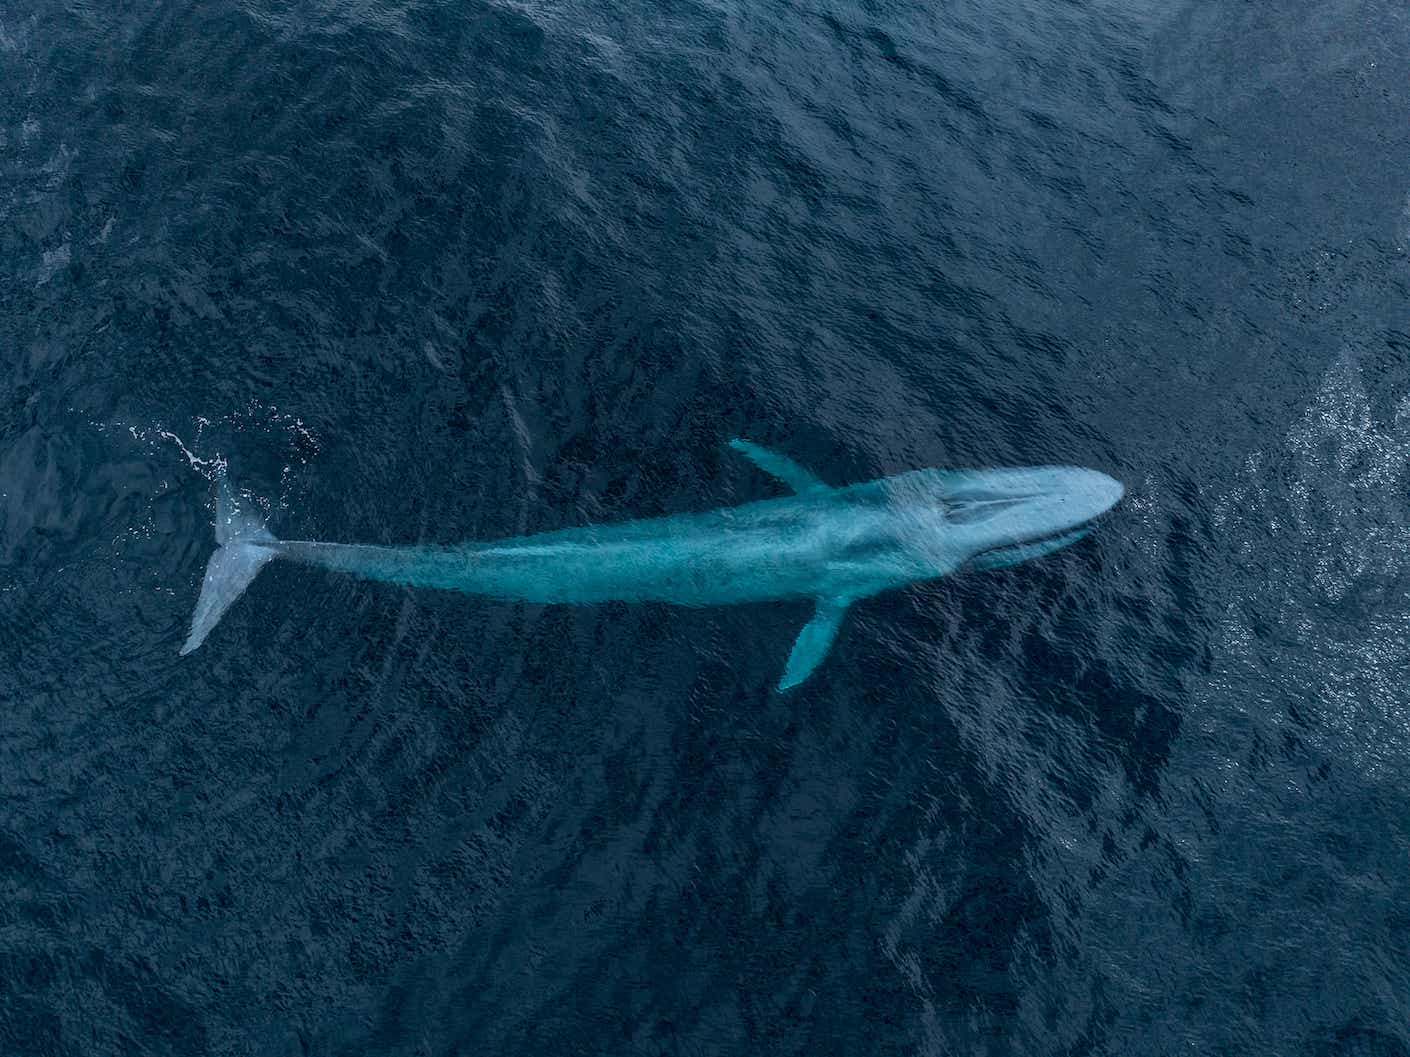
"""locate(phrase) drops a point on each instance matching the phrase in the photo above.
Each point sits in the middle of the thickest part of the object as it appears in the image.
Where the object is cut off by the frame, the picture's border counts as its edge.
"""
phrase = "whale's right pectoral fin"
(813, 642)
(780, 466)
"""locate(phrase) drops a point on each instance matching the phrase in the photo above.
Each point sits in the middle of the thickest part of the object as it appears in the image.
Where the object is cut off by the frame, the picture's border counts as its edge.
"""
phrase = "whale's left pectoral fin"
(780, 466)
(813, 642)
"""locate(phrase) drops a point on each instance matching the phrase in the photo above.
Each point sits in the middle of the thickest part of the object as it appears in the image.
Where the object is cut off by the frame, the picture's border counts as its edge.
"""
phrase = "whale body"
(830, 545)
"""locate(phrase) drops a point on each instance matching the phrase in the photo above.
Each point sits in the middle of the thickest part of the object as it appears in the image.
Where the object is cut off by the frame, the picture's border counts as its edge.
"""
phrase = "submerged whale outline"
(831, 545)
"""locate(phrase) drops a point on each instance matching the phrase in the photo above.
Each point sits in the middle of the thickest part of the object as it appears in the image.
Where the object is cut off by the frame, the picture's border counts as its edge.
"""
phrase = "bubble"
(203, 441)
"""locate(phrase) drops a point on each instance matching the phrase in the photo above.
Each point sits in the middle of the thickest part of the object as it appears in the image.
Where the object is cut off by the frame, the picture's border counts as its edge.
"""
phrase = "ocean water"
(421, 271)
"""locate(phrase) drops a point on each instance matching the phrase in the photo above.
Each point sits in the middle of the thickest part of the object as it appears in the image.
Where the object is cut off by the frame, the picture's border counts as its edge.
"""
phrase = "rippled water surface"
(422, 271)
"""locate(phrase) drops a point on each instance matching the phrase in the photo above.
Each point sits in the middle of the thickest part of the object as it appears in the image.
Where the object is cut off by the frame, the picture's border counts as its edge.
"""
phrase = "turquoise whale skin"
(829, 545)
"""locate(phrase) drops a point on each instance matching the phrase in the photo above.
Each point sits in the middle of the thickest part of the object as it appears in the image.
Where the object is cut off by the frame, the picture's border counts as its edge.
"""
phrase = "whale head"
(992, 518)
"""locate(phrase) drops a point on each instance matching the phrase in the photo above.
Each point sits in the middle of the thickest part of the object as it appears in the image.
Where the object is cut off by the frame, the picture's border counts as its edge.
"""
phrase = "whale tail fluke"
(243, 547)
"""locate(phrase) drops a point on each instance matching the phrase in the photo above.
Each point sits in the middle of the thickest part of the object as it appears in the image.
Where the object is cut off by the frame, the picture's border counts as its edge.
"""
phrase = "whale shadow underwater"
(831, 545)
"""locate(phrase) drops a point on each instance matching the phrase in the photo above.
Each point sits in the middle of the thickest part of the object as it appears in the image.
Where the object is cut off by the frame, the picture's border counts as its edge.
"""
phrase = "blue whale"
(832, 546)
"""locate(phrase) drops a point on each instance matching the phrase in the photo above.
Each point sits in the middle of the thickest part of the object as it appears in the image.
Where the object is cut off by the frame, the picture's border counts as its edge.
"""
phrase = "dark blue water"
(433, 271)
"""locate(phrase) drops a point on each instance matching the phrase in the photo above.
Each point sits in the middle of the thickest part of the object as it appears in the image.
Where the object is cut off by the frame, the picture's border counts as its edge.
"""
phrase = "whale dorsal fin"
(814, 641)
(780, 466)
